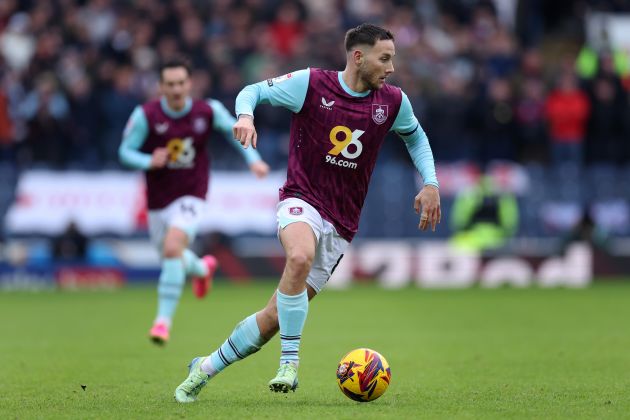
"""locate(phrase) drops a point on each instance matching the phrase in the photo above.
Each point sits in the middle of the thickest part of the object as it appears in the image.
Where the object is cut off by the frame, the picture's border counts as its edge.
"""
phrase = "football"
(363, 375)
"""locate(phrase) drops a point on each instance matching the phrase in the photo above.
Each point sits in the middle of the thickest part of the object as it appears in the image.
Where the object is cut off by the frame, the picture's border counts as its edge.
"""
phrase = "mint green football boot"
(188, 390)
(286, 379)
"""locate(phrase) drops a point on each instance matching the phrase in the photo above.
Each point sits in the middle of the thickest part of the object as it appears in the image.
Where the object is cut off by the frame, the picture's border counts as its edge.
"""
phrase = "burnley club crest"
(379, 113)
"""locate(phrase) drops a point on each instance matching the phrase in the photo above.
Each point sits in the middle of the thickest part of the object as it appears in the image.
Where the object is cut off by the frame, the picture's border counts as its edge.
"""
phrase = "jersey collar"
(350, 91)
(175, 114)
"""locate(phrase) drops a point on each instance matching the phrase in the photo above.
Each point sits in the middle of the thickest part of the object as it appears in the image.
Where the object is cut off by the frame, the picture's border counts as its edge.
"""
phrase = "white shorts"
(330, 246)
(184, 213)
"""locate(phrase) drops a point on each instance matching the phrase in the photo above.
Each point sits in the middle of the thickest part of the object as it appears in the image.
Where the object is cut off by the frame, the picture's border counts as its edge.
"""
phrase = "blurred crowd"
(504, 79)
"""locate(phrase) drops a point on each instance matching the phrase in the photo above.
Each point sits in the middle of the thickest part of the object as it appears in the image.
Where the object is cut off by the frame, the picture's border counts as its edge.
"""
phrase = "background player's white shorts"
(184, 213)
(330, 246)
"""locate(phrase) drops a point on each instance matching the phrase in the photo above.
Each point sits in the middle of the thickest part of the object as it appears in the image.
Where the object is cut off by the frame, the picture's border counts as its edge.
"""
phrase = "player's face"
(377, 63)
(175, 86)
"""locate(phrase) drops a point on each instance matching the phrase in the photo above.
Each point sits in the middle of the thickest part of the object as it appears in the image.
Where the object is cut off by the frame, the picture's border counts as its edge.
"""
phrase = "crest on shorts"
(295, 211)
(200, 125)
(379, 113)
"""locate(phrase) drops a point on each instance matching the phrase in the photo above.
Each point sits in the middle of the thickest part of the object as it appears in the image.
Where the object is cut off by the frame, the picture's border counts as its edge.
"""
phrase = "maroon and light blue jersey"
(336, 135)
(185, 134)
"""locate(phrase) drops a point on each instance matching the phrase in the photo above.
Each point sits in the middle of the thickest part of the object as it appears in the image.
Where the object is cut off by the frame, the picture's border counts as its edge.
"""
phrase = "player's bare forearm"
(427, 204)
(244, 131)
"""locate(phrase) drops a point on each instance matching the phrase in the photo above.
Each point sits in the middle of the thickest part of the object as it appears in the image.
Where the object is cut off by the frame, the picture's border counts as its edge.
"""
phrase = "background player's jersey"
(184, 134)
(335, 138)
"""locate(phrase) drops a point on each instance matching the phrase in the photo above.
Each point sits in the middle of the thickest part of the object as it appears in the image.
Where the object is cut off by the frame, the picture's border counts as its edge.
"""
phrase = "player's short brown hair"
(366, 33)
(174, 63)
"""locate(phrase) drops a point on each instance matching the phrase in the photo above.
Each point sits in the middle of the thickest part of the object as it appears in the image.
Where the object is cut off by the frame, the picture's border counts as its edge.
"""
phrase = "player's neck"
(171, 111)
(176, 107)
(353, 81)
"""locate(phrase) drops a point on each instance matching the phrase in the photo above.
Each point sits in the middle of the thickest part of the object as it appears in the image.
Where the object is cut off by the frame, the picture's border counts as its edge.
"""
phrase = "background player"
(167, 138)
(340, 121)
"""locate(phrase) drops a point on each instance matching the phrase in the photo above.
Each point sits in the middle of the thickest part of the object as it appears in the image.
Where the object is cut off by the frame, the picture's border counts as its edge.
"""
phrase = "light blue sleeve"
(408, 128)
(134, 136)
(288, 91)
(223, 122)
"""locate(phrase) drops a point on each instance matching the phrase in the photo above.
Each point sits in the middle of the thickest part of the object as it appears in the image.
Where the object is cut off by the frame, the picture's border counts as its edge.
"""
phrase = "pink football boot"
(202, 285)
(159, 333)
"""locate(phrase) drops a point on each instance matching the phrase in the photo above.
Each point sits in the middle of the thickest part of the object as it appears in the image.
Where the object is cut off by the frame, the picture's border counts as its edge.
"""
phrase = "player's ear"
(357, 56)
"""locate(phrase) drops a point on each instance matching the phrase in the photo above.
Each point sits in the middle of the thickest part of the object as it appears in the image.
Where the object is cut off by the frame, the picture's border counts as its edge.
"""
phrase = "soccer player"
(340, 120)
(167, 138)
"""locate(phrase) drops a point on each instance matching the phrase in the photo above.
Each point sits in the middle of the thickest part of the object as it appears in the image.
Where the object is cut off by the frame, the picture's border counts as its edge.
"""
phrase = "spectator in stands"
(115, 46)
(6, 129)
(45, 110)
(567, 109)
(70, 246)
(502, 59)
(85, 124)
(17, 43)
(287, 29)
(447, 120)
(605, 129)
(483, 217)
(592, 60)
(117, 102)
(586, 230)
(493, 118)
(530, 121)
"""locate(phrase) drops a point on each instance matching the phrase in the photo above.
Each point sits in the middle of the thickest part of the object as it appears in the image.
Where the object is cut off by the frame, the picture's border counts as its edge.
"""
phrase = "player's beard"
(370, 79)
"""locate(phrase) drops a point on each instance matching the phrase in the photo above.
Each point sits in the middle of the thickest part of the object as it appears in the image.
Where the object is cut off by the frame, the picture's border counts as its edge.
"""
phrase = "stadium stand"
(477, 73)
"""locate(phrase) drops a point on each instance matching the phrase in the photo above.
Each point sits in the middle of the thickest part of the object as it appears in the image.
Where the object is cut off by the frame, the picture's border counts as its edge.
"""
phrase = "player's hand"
(244, 131)
(427, 203)
(259, 168)
(159, 158)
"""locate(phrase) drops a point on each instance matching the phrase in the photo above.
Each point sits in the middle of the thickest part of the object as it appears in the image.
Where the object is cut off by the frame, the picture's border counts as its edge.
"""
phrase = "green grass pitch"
(474, 353)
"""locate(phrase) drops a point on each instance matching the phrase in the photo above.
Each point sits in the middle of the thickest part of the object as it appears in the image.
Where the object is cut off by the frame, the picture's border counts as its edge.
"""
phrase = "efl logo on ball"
(363, 375)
